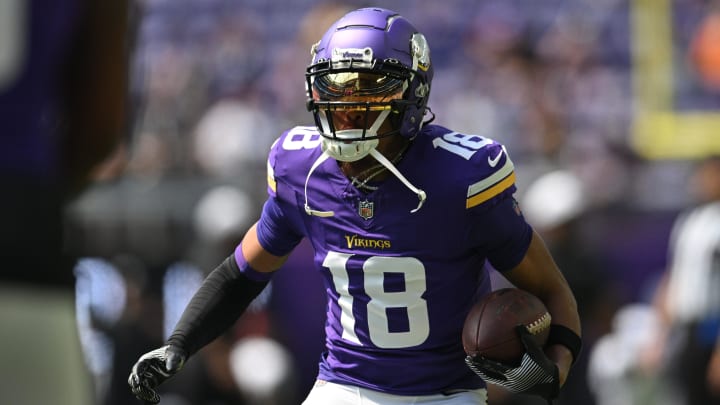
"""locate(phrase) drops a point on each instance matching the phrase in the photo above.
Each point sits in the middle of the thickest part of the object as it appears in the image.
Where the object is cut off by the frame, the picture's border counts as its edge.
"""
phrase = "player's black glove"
(536, 374)
(152, 369)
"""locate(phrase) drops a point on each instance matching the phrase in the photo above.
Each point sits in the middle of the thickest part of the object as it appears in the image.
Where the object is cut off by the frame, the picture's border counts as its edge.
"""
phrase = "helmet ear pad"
(407, 116)
(411, 116)
(398, 122)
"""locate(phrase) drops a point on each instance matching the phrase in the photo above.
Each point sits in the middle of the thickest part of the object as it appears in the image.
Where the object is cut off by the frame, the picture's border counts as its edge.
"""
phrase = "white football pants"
(327, 393)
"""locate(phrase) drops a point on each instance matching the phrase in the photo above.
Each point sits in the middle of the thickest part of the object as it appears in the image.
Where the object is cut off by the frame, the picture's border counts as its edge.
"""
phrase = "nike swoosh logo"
(494, 162)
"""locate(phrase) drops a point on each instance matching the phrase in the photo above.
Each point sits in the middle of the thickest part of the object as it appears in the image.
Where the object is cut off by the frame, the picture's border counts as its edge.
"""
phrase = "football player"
(403, 217)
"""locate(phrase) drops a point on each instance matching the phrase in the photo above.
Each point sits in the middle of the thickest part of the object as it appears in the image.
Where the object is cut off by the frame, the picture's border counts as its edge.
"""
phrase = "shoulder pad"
(487, 166)
(294, 149)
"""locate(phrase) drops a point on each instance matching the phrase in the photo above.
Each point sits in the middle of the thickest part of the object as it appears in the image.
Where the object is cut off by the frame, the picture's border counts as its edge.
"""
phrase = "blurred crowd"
(214, 82)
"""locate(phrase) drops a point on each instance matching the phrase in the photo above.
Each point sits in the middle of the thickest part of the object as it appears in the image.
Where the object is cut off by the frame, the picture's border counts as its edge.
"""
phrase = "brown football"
(489, 329)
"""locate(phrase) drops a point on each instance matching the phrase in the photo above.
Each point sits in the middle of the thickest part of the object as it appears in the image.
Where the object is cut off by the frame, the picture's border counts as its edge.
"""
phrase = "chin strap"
(323, 157)
(422, 196)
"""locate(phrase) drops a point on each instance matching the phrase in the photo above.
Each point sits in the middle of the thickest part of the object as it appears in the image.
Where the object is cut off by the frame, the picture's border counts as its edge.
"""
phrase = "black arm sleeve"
(218, 303)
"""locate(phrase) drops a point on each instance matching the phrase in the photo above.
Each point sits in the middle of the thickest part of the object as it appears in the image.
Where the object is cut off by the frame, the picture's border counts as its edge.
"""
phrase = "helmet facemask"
(375, 96)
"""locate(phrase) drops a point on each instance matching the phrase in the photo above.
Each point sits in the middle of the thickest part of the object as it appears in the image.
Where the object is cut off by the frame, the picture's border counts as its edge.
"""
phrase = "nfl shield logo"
(366, 209)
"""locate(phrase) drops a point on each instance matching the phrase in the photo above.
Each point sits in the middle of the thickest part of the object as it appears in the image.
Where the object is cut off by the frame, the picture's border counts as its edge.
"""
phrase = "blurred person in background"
(687, 300)
(392, 336)
(117, 317)
(614, 361)
(63, 86)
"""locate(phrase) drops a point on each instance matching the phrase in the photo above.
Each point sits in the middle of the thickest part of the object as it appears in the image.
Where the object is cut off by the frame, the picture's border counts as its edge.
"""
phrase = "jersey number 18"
(375, 270)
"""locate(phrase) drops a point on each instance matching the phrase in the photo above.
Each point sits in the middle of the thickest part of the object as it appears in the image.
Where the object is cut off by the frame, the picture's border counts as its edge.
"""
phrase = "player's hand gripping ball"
(490, 327)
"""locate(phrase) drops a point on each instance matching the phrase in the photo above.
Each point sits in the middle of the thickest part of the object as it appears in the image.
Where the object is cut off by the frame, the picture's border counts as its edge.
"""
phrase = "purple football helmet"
(377, 55)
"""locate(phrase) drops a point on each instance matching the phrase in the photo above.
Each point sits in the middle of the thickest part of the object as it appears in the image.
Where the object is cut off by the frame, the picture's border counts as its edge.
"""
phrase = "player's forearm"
(564, 343)
(218, 303)
(538, 274)
(563, 308)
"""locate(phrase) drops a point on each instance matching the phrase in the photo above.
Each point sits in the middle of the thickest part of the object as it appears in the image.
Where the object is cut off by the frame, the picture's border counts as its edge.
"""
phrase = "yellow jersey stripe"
(481, 185)
(491, 192)
(271, 178)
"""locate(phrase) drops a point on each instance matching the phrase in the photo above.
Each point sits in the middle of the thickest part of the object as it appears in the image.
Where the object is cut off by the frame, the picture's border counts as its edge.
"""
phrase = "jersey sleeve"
(277, 231)
(274, 231)
(502, 232)
(498, 225)
(498, 179)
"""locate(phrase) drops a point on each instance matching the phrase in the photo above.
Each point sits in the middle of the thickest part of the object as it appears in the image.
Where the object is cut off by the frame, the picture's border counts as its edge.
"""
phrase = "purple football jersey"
(399, 284)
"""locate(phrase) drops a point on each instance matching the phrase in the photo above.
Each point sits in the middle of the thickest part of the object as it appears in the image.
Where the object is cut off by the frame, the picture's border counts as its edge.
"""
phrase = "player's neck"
(393, 148)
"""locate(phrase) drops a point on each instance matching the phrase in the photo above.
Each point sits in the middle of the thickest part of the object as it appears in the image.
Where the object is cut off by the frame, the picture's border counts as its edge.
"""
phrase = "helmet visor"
(349, 85)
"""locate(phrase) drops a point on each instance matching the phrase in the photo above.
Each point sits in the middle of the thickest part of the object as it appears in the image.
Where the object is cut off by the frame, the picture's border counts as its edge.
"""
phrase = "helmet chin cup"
(348, 151)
